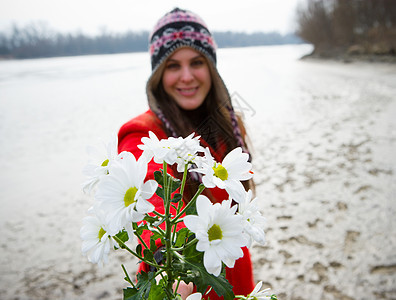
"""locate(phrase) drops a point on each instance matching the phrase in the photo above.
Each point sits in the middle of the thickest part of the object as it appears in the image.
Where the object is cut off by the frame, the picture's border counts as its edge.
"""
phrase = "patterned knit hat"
(176, 29)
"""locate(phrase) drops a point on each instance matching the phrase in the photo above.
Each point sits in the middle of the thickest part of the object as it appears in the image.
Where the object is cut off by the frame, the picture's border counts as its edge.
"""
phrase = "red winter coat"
(129, 136)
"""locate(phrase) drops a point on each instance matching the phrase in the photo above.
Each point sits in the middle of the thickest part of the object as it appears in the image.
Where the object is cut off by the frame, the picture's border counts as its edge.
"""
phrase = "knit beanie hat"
(176, 29)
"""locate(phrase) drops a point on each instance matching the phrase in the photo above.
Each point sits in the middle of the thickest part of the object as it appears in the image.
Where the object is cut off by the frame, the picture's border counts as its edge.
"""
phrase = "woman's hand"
(184, 289)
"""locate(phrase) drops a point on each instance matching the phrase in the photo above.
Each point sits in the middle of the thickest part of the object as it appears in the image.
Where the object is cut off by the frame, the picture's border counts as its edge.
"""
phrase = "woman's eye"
(198, 62)
(172, 66)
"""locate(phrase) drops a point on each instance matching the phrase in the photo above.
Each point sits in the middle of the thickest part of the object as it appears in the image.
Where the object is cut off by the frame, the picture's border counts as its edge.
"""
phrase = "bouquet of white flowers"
(209, 235)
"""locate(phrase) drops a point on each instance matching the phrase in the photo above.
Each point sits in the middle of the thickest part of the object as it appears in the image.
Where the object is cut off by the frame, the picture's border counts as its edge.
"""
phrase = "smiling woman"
(187, 97)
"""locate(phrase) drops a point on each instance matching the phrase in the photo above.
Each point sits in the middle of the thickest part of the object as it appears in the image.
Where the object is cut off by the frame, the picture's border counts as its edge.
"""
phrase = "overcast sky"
(122, 15)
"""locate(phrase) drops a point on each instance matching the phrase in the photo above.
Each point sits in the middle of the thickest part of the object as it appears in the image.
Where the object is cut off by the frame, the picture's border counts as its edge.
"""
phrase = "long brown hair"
(211, 120)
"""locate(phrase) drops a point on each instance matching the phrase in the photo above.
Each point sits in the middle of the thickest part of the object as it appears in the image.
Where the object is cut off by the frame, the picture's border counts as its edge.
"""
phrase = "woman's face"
(186, 78)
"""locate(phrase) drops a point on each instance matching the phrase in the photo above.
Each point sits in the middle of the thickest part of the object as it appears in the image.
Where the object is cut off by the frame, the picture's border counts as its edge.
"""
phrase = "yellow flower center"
(215, 233)
(105, 163)
(101, 233)
(220, 172)
(129, 197)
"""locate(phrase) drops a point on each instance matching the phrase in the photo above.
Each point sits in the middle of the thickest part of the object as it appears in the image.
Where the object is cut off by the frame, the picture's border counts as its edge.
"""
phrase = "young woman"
(186, 94)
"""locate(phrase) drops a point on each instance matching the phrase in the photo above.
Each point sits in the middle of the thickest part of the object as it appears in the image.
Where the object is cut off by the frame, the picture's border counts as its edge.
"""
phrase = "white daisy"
(186, 150)
(153, 148)
(253, 221)
(219, 233)
(256, 294)
(195, 296)
(227, 174)
(97, 240)
(99, 163)
(123, 193)
(179, 150)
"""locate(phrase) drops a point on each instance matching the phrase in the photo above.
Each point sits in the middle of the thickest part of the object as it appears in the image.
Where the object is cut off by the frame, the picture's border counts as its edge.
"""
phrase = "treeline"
(38, 40)
(337, 27)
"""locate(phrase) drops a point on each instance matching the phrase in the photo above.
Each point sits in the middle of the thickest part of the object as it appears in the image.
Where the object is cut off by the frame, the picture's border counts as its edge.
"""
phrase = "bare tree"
(334, 26)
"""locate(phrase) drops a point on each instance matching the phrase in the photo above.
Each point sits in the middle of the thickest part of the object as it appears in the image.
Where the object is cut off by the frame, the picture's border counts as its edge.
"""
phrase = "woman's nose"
(187, 75)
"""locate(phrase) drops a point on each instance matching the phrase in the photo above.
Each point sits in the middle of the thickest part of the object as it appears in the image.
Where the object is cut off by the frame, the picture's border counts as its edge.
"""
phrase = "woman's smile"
(188, 92)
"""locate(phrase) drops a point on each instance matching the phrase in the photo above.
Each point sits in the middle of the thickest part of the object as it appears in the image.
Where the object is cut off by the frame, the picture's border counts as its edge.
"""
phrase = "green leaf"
(156, 292)
(123, 236)
(203, 280)
(160, 222)
(181, 237)
(156, 236)
(153, 246)
(159, 177)
(139, 249)
(130, 293)
(139, 229)
(160, 192)
(194, 271)
(192, 254)
(150, 219)
(146, 288)
(143, 286)
(192, 210)
(174, 183)
(191, 236)
(148, 255)
(176, 198)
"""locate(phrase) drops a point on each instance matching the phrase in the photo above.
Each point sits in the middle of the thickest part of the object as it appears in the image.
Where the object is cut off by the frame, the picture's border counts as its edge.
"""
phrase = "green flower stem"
(184, 180)
(180, 204)
(189, 204)
(178, 283)
(160, 273)
(166, 184)
(169, 253)
(123, 246)
(173, 234)
(179, 256)
(127, 276)
(190, 243)
(142, 241)
(168, 232)
(157, 230)
(157, 214)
